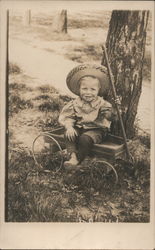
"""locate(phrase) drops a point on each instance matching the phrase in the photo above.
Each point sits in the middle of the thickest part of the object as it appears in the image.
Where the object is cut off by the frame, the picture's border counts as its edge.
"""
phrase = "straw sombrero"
(82, 70)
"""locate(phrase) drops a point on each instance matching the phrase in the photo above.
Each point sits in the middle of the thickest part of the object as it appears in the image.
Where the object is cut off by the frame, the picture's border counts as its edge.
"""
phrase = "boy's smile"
(89, 88)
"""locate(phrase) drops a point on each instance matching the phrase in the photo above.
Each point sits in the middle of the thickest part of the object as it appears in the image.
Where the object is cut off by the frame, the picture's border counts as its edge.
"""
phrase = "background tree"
(60, 22)
(27, 18)
(126, 47)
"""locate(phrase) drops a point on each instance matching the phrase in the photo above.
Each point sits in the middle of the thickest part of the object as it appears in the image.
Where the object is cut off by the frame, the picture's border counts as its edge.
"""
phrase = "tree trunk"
(125, 47)
(60, 22)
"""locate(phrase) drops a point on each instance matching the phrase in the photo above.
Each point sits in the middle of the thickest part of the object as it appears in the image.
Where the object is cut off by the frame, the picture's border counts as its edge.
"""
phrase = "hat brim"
(98, 71)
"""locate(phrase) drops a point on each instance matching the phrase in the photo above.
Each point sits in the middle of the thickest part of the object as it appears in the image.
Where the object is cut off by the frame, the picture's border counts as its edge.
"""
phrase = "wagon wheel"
(103, 173)
(47, 152)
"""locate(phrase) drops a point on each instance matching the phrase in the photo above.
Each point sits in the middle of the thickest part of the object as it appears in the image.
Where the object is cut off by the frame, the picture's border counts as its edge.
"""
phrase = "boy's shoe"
(72, 163)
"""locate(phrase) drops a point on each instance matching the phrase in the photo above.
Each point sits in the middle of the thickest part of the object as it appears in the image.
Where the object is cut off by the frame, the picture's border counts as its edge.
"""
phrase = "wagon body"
(111, 148)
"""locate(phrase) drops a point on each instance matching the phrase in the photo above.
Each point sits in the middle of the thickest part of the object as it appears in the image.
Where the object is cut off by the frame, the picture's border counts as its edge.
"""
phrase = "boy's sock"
(73, 160)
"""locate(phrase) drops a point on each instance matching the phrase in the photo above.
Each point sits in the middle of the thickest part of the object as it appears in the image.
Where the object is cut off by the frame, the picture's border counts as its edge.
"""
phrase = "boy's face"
(89, 88)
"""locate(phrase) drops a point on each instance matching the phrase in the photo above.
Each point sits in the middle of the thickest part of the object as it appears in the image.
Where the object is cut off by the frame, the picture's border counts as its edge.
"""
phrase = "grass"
(16, 102)
(88, 23)
(79, 20)
(85, 53)
(41, 195)
(16, 87)
(51, 105)
(44, 97)
(45, 88)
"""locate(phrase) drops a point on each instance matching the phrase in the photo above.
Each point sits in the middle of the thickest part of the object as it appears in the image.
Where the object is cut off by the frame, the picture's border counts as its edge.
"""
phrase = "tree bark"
(126, 47)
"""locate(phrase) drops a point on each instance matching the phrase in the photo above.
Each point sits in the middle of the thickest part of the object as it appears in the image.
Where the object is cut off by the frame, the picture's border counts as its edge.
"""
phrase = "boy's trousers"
(83, 143)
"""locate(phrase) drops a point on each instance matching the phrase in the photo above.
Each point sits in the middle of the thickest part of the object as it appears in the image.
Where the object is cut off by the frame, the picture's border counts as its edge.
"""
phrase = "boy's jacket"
(96, 114)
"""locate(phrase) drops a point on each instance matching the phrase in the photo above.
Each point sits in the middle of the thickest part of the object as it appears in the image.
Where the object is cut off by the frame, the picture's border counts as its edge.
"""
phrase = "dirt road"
(47, 67)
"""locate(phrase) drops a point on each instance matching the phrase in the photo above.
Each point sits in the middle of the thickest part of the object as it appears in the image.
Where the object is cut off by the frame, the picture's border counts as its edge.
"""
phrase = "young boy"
(87, 118)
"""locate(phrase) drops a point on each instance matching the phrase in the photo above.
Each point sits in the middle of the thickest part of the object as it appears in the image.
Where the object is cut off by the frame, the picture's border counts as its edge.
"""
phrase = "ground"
(35, 98)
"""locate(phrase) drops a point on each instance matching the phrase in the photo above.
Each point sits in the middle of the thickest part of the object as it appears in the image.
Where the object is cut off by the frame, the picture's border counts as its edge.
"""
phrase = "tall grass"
(39, 196)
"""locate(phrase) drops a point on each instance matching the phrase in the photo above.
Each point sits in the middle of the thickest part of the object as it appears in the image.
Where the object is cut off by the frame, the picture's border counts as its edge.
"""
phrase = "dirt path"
(33, 60)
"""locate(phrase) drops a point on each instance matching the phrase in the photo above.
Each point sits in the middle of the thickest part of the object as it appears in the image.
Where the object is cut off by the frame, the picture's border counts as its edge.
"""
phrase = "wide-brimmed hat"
(98, 71)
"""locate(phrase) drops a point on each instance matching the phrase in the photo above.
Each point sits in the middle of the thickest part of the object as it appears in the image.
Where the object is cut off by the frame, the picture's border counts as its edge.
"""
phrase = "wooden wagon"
(49, 152)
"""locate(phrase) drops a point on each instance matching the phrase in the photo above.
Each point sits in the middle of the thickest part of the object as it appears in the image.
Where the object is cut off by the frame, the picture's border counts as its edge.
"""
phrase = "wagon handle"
(115, 98)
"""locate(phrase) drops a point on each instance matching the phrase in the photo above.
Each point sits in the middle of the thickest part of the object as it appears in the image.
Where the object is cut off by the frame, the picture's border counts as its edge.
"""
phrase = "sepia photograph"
(78, 114)
(55, 173)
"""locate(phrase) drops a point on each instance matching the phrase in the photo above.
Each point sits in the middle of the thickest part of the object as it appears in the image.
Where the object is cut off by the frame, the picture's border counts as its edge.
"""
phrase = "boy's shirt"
(96, 114)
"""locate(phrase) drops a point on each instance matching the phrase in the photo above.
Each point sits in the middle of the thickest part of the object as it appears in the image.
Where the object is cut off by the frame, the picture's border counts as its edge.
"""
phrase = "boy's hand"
(71, 133)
